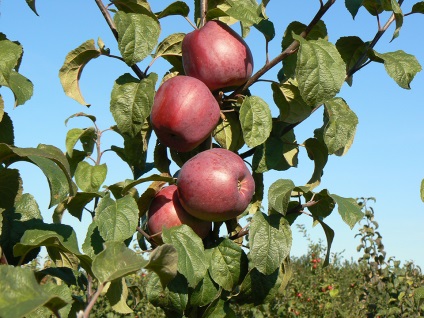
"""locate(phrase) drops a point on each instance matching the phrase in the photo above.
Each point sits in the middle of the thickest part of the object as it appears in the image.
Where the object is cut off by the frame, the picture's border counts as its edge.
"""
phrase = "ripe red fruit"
(166, 210)
(184, 113)
(217, 55)
(215, 185)
(329, 287)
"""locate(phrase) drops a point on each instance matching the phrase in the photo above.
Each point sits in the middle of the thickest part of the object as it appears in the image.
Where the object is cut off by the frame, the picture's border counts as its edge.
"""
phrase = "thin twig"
(112, 27)
(203, 10)
(93, 300)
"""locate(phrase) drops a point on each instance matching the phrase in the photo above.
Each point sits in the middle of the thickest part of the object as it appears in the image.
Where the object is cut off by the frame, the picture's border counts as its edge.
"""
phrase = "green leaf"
(173, 299)
(329, 234)
(170, 46)
(353, 6)
(351, 48)
(256, 121)
(400, 66)
(397, 12)
(19, 302)
(191, 253)
(279, 194)
(293, 108)
(10, 187)
(93, 243)
(374, 7)
(226, 264)
(52, 236)
(270, 241)
(349, 210)
(324, 203)
(418, 7)
(81, 114)
(117, 294)
(87, 137)
(131, 102)
(76, 204)
(134, 6)
(339, 128)
(138, 35)
(57, 181)
(1, 107)
(24, 215)
(320, 70)
(175, 8)
(219, 308)
(256, 202)
(422, 190)
(161, 159)
(71, 70)
(116, 261)
(154, 177)
(117, 220)
(163, 261)
(243, 10)
(228, 133)
(318, 152)
(21, 87)
(89, 178)
(205, 292)
(258, 288)
(10, 54)
(31, 4)
(266, 27)
(7, 135)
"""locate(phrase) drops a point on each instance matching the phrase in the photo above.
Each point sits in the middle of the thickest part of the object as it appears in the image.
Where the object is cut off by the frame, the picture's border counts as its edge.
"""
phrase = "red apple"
(217, 55)
(184, 113)
(166, 211)
(215, 185)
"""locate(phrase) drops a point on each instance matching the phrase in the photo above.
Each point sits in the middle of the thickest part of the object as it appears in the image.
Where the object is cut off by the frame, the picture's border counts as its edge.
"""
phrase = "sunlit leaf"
(279, 194)
(270, 241)
(228, 133)
(175, 8)
(89, 178)
(349, 210)
(163, 261)
(71, 70)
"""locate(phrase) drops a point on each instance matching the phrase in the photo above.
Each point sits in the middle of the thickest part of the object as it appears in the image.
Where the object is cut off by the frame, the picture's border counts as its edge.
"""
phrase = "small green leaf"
(329, 234)
(154, 177)
(318, 152)
(131, 102)
(21, 87)
(31, 4)
(138, 35)
(175, 8)
(134, 6)
(270, 241)
(117, 294)
(279, 195)
(256, 121)
(10, 54)
(320, 70)
(163, 261)
(219, 308)
(266, 27)
(339, 127)
(293, 108)
(351, 48)
(76, 204)
(116, 261)
(349, 210)
(324, 203)
(89, 178)
(418, 7)
(226, 263)
(7, 135)
(353, 6)
(86, 136)
(71, 70)
(117, 220)
(397, 12)
(400, 66)
(173, 299)
(81, 114)
(170, 46)
(242, 10)
(228, 133)
(19, 302)
(258, 288)
(161, 159)
(191, 253)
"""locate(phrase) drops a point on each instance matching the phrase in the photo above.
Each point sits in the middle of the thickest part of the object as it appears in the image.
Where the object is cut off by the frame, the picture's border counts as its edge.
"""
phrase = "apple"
(215, 185)
(217, 55)
(184, 113)
(166, 211)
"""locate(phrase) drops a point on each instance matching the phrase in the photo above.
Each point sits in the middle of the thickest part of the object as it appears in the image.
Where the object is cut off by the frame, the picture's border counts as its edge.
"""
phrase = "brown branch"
(112, 27)
(203, 10)
(93, 301)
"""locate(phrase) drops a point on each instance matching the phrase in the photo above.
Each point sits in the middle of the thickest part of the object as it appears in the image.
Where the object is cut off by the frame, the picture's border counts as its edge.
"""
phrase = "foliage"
(187, 276)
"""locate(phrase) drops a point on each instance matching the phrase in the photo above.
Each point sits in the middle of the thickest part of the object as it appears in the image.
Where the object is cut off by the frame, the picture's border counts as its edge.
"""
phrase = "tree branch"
(93, 301)
(112, 27)
(203, 10)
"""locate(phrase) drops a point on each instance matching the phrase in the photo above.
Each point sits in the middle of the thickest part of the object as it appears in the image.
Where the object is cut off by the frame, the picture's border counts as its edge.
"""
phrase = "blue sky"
(385, 160)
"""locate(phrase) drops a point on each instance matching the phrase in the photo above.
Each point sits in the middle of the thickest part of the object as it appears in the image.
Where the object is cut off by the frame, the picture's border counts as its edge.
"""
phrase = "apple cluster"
(215, 185)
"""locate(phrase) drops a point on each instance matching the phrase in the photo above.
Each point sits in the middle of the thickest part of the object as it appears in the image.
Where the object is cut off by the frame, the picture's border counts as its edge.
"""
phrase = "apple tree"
(209, 232)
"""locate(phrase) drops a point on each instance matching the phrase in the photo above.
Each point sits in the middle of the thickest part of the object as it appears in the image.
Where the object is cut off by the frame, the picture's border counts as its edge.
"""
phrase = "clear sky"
(385, 160)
